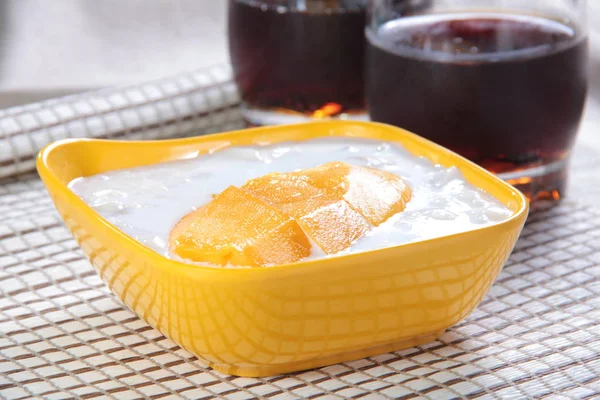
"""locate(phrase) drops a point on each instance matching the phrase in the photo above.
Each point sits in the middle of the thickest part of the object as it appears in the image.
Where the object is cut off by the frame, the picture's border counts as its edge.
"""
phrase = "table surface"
(536, 334)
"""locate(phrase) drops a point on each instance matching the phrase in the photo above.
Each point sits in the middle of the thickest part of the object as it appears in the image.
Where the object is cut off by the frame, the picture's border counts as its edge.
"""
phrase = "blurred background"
(51, 48)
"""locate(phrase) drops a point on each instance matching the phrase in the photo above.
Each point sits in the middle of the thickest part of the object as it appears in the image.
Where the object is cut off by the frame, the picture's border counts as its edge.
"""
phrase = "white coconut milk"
(146, 202)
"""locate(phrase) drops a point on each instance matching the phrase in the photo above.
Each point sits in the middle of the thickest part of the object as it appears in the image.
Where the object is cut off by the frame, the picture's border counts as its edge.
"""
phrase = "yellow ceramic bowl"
(266, 321)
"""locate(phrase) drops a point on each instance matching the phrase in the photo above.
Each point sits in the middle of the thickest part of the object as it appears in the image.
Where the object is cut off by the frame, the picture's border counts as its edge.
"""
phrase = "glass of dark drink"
(298, 60)
(502, 82)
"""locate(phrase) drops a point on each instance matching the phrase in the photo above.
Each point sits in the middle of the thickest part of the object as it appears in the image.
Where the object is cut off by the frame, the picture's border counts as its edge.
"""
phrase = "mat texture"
(64, 335)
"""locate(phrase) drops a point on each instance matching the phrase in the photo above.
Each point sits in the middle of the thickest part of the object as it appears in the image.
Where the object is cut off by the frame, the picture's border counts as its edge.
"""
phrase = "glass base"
(541, 184)
(259, 117)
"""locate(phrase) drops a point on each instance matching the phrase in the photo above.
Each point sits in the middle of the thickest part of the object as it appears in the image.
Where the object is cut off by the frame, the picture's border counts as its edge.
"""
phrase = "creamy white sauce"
(146, 202)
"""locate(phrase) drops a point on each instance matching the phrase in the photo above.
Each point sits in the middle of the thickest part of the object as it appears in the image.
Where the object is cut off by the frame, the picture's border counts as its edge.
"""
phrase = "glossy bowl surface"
(266, 321)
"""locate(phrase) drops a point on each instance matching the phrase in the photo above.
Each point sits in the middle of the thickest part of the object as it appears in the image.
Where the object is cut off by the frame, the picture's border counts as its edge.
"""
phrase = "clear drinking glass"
(297, 60)
(502, 82)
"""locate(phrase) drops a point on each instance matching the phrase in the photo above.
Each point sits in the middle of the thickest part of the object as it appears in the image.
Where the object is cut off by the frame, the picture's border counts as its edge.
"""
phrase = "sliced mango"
(270, 219)
(325, 217)
(375, 194)
(238, 229)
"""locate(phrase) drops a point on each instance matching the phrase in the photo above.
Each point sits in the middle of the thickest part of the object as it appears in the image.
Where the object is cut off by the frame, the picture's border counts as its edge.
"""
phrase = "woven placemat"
(64, 335)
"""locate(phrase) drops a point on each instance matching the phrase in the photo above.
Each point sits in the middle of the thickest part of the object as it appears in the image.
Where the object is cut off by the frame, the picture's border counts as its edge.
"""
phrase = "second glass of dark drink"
(501, 82)
(297, 60)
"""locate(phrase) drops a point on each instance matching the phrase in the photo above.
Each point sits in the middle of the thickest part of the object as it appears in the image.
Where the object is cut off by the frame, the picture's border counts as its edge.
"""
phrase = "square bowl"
(266, 321)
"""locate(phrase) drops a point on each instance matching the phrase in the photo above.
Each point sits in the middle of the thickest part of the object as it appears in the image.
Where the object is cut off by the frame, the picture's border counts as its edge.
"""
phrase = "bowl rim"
(46, 173)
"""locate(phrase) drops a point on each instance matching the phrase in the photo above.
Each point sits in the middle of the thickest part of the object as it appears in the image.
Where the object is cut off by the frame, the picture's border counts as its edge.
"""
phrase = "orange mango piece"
(238, 229)
(325, 217)
(270, 219)
(375, 194)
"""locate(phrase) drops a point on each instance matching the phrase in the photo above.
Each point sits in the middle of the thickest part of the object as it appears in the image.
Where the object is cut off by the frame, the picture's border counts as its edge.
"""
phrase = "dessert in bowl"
(354, 238)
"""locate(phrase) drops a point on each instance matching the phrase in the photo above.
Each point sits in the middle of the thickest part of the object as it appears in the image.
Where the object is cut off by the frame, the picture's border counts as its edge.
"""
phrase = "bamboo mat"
(64, 335)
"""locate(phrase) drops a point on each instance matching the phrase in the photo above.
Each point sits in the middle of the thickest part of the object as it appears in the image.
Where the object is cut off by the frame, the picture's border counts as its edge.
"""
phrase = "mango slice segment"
(325, 217)
(238, 229)
(375, 194)
(272, 219)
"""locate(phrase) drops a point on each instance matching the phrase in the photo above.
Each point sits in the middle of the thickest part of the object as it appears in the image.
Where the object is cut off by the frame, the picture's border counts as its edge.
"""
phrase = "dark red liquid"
(297, 60)
(506, 91)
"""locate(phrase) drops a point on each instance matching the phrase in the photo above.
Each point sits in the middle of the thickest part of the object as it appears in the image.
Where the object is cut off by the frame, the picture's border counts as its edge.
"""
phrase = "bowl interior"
(63, 161)
(70, 159)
